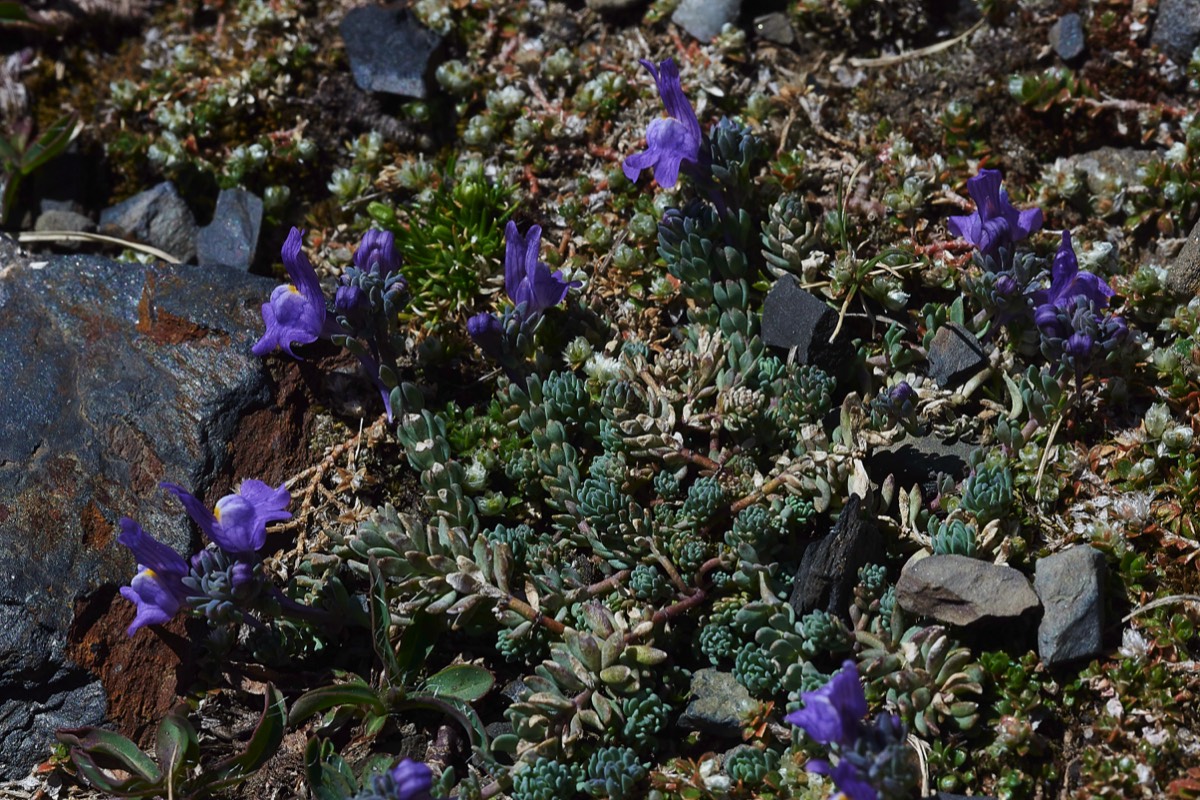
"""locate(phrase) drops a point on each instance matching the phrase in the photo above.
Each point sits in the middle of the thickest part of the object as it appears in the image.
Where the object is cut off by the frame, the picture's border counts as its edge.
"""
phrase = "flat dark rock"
(158, 217)
(1177, 28)
(703, 19)
(1183, 275)
(1071, 587)
(917, 460)
(113, 377)
(1067, 37)
(718, 704)
(955, 354)
(794, 318)
(961, 590)
(829, 568)
(231, 239)
(389, 50)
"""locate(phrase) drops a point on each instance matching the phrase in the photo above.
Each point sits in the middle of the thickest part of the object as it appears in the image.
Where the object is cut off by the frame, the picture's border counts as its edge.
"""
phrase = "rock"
(775, 27)
(704, 19)
(917, 460)
(1067, 38)
(114, 376)
(157, 217)
(1108, 170)
(612, 6)
(718, 704)
(1071, 587)
(62, 220)
(232, 237)
(962, 590)
(1177, 29)
(794, 318)
(389, 50)
(828, 569)
(955, 354)
(1183, 275)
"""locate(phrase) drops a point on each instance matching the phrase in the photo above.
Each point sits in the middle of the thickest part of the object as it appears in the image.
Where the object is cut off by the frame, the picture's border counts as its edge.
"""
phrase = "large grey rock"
(1071, 587)
(829, 568)
(232, 237)
(157, 217)
(794, 318)
(389, 50)
(962, 590)
(955, 354)
(1066, 37)
(113, 377)
(704, 19)
(718, 705)
(1177, 28)
(1183, 275)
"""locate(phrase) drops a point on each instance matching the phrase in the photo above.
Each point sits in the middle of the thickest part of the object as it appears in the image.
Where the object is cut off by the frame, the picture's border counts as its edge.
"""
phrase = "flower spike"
(670, 140)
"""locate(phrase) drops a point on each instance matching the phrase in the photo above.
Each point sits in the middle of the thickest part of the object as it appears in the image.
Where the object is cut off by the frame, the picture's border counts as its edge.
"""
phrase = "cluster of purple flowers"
(369, 294)
(165, 583)
(1070, 315)
(532, 288)
(871, 760)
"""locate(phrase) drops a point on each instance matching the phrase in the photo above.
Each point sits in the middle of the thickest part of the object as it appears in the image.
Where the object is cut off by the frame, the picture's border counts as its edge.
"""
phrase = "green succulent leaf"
(263, 744)
(110, 749)
(465, 682)
(381, 623)
(355, 693)
(177, 745)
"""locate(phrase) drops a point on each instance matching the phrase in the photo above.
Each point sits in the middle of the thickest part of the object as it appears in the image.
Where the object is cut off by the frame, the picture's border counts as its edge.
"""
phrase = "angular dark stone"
(113, 377)
(918, 460)
(62, 220)
(1067, 38)
(1071, 587)
(232, 237)
(1183, 275)
(775, 27)
(829, 568)
(718, 704)
(157, 217)
(1177, 29)
(389, 50)
(792, 317)
(704, 19)
(955, 354)
(962, 590)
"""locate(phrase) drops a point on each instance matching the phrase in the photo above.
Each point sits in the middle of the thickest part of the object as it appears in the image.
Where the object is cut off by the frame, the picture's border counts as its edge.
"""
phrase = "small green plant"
(19, 156)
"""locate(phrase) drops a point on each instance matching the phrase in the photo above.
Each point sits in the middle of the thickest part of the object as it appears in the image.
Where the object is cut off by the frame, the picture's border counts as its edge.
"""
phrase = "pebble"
(1071, 587)
(703, 19)
(961, 590)
(389, 50)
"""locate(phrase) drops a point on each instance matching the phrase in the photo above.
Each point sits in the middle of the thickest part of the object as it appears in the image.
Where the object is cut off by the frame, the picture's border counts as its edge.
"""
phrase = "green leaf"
(461, 712)
(329, 777)
(381, 623)
(51, 143)
(176, 746)
(326, 697)
(263, 744)
(13, 12)
(466, 682)
(111, 749)
(99, 778)
(416, 643)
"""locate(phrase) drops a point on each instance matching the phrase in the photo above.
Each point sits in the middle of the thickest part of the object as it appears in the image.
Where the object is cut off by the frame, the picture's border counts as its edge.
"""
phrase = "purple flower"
(526, 279)
(1066, 284)
(413, 780)
(1079, 347)
(238, 525)
(157, 590)
(995, 221)
(670, 140)
(377, 253)
(832, 714)
(295, 314)
(488, 333)
(847, 777)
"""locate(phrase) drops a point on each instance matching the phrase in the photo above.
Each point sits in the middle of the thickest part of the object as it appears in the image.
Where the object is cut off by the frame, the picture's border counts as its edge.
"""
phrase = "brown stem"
(703, 462)
(533, 615)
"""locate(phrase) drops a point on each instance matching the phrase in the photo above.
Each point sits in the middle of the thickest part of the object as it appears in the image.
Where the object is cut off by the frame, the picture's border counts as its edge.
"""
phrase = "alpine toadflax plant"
(996, 221)
(296, 312)
(1066, 284)
(527, 280)
(871, 761)
(238, 523)
(157, 590)
(670, 140)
